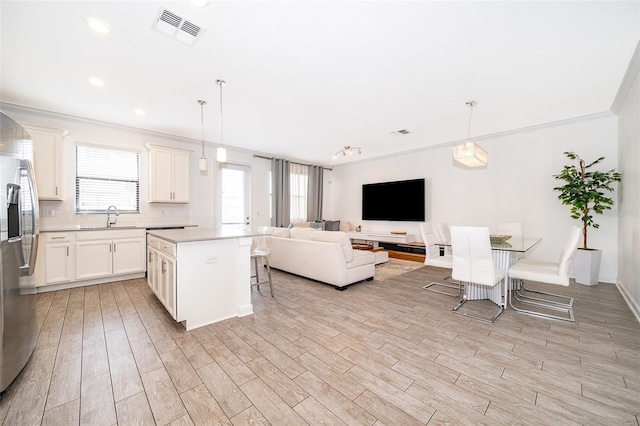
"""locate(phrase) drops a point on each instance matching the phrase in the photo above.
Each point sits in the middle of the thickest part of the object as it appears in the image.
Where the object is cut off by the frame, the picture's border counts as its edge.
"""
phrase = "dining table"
(505, 251)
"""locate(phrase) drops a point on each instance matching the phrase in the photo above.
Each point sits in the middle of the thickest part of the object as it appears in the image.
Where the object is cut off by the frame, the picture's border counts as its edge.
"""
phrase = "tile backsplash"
(55, 214)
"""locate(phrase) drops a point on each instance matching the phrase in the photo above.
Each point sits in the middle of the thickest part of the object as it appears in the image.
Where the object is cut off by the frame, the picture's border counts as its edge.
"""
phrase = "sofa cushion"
(302, 233)
(361, 257)
(281, 232)
(335, 237)
(302, 225)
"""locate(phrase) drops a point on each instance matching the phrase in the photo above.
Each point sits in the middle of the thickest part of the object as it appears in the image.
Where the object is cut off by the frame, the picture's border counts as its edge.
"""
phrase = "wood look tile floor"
(381, 352)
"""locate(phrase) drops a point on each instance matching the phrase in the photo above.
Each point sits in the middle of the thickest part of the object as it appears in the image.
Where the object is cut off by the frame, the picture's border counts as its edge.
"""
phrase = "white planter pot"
(586, 266)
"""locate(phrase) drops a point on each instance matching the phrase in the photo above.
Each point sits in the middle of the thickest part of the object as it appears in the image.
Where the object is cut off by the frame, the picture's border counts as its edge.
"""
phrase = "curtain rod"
(293, 162)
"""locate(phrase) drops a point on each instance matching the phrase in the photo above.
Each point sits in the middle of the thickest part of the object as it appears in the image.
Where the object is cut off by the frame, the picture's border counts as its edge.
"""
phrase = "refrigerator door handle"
(29, 268)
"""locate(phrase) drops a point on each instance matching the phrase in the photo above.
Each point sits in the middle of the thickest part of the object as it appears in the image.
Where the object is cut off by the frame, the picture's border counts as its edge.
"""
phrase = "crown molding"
(633, 70)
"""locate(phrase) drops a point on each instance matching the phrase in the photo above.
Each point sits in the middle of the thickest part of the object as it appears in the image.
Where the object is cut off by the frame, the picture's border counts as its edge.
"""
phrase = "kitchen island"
(200, 275)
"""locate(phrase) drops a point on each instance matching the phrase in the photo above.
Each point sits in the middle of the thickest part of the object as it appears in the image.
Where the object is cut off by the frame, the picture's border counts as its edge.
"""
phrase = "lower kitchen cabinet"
(161, 272)
(60, 250)
(91, 257)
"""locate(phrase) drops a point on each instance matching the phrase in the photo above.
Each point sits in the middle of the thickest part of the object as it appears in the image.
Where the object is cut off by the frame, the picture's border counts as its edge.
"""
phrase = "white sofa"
(325, 256)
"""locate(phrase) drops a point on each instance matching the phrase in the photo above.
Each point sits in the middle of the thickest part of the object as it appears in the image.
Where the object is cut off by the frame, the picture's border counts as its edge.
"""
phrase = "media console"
(399, 246)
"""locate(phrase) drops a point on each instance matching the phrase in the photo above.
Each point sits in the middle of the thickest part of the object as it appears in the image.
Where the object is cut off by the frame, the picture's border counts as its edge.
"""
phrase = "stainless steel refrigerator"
(19, 214)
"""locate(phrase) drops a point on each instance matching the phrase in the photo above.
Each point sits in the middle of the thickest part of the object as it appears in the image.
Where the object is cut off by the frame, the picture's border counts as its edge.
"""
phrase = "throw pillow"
(318, 225)
(332, 225)
(345, 226)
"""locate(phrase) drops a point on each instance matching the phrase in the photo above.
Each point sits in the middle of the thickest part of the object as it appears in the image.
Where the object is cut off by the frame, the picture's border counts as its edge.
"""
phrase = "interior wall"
(629, 161)
(62, 213)
(515, 186)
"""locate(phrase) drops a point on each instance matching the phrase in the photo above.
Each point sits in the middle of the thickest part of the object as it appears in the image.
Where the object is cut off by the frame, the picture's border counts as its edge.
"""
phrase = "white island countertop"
(72, 228)
(188, 235)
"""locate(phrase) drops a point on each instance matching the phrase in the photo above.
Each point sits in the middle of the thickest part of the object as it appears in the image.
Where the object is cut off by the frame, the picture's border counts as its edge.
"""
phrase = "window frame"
(78, 178)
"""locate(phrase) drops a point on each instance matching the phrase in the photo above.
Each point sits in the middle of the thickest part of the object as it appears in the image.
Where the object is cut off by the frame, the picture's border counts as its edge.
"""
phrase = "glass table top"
(517, 244)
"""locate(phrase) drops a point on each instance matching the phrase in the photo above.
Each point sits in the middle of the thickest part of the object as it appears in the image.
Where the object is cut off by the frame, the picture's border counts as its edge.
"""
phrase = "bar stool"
(262, 251)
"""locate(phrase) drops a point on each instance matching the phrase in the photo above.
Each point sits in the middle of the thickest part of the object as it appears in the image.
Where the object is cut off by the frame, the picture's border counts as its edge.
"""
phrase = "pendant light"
(469, 153)
(221, 152)
(203, 159)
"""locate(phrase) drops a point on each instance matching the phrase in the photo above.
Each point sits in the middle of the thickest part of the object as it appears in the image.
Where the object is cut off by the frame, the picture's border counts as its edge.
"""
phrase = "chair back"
(472, 258)
(430, 240)
(569, 250)
(515, 229)
(443, 232)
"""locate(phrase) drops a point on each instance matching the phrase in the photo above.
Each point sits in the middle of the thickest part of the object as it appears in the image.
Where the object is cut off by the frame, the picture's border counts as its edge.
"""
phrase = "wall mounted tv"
(400, 200)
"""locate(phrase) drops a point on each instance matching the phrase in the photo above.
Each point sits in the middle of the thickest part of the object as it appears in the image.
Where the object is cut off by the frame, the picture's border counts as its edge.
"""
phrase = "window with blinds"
(107, 177)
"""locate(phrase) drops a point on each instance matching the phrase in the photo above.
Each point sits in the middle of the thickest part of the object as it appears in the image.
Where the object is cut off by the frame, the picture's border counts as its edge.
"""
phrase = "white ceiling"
(305, 78)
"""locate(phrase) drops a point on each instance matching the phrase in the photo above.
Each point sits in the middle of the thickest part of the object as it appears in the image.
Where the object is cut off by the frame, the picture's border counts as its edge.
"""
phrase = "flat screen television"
(398, 201)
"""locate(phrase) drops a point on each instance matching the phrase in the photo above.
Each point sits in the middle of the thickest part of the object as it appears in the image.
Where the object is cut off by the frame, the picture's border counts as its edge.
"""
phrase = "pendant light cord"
(202, 124)
(221, 83)
(470, 104)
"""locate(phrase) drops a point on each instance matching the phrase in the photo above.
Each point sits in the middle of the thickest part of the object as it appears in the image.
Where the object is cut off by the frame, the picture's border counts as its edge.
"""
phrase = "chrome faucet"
(109, 222)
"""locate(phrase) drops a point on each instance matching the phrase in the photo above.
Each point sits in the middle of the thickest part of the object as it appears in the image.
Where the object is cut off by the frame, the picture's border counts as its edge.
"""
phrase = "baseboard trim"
(635, 307)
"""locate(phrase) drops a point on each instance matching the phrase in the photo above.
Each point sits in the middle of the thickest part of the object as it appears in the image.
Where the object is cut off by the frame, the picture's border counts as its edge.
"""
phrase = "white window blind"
(298, 183)
(107, 177)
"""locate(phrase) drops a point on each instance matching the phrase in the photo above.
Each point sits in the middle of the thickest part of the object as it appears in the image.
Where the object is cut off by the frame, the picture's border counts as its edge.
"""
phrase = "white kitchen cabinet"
(48, 146)
(93, 259)
(59, 258)
(167, 283)
(152, 269)
(106, 253)
(168, 175)
(161, 272)
(128, 255)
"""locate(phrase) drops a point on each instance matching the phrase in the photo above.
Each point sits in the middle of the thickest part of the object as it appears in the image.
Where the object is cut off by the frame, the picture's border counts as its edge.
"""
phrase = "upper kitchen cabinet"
(168, 175)
(48, 147)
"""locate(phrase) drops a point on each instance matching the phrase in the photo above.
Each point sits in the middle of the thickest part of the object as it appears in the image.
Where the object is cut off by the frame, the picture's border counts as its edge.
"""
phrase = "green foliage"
(584, 191)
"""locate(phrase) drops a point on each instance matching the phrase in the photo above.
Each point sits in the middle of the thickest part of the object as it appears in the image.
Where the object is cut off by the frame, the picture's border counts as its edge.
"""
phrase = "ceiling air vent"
(173, 25)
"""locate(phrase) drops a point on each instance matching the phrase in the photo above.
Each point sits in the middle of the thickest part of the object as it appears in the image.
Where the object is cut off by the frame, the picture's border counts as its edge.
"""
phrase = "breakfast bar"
(200, 275)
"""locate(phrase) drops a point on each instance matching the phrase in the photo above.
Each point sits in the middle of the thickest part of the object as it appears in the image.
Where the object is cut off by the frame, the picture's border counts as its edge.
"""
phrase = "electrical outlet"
(210, 258)
(48, 213)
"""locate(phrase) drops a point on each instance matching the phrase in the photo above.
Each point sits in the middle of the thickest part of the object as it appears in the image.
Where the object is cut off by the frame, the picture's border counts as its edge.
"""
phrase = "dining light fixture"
(221, 152)
(203, 159)
(347, 150)
(469, 153)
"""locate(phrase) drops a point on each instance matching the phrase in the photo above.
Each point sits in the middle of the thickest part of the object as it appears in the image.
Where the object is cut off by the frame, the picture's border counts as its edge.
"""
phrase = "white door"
(235, 185)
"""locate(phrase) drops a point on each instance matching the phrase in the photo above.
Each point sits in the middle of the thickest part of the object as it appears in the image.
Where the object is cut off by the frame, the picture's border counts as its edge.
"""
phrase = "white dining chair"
(548, 273)
(261, 253)
(443, 232)
(473, 264)
(433, 258)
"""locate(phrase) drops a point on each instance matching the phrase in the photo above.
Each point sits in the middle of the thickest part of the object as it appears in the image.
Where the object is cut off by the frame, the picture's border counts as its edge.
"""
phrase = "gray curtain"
(314, 193)
(281, 207)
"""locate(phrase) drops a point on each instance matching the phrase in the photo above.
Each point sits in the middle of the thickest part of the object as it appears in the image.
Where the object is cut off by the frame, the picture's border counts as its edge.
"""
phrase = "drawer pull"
(58, 238)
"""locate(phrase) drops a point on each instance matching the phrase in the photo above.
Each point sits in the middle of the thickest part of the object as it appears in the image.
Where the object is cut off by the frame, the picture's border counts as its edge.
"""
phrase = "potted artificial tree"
(584, 192)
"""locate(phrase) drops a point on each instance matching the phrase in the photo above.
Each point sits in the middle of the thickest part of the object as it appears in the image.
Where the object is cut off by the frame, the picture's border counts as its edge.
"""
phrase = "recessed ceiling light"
(199, 3)
(138, 111)
(98, 26)
(96, 81)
